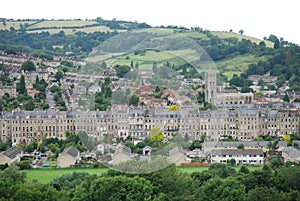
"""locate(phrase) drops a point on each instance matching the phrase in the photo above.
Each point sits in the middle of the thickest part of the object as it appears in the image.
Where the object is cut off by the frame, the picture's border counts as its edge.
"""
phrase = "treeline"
(285, 63)
(219, 182)
(120, 24)
(80, 43)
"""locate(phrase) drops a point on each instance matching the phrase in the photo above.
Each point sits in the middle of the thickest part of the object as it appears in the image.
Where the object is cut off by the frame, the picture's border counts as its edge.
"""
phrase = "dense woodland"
(219, 182)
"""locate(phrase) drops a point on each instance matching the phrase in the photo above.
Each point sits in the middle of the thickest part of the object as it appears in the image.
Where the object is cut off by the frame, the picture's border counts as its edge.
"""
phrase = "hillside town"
(242, 117)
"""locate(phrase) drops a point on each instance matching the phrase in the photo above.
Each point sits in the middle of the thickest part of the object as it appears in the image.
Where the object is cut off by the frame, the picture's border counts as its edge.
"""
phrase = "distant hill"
(70, 26)
(237, 51)
(120, 42)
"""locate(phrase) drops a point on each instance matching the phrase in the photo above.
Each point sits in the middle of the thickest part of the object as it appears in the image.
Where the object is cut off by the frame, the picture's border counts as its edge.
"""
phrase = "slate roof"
(12, 152)
(253, 144)
(237, 152)
(292, 152)
(72, 151)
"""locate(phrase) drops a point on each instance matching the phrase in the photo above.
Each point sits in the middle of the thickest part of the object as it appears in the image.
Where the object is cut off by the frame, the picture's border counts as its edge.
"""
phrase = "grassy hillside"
(237, 64)
(181, 44)
(224, 34)
(121, 50)
(68, 26)
(15, 24)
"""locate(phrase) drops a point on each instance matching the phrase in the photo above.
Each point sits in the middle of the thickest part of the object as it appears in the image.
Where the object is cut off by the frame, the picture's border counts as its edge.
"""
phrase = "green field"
(14, 24)
(237, 64)
(45, 175)
(146, 60)
(73, 31)
(224, 34)
(55, 26)
(62, 23)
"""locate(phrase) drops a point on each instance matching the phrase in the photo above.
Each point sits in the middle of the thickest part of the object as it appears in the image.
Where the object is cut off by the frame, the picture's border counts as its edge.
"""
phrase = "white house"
(241, 156)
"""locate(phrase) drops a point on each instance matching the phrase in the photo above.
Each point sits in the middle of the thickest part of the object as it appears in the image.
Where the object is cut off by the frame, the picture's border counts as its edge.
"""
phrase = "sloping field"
(224, 34)
(62, 23)
(14, 24)
(73, 31)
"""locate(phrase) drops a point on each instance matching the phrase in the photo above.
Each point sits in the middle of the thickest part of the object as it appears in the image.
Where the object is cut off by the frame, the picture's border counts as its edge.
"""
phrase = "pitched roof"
(72, 151)
(292, 152)
(253, 144)
(236, 151)
(12, 152)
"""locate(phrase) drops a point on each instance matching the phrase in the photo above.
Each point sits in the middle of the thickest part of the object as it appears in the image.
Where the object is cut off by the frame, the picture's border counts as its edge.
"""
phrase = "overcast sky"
(257, 18)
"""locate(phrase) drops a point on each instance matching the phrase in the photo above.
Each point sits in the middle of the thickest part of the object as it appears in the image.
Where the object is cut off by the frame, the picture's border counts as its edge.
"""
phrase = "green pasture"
(62, 23)
(14, 24)
(224, 34)
(45, 175)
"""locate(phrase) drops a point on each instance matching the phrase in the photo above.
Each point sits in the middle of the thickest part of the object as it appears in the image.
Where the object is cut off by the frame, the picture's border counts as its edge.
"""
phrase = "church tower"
(210, 87)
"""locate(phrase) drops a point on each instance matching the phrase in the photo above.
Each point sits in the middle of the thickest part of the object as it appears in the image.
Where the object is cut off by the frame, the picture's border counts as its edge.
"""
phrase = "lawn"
(45, 175)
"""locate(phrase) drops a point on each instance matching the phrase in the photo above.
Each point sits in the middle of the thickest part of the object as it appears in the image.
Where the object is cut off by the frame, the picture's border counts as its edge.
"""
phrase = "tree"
(14, 174)
(121, 71)
(276, 41)
(173, 183)
(256, 178)
(200, 178)
(221, 170)
(68, 181)
(196, 144)
(65, 69)
(263, 193)
(232, 162)
(156, 134)
(244, 170)
(286, 98)
(22, 86)
(103, 65)
(29, 105)
(134, 100)
(154, 67)
(218, 189)
(58, 75)
(241, 31)
(287, 138)
(120, 188)
(28, 66)
(275, 162)
(131, 64)
(174, 107)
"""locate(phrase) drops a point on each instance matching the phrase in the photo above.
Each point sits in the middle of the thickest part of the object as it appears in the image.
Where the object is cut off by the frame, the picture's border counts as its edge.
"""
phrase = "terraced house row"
(244, 122)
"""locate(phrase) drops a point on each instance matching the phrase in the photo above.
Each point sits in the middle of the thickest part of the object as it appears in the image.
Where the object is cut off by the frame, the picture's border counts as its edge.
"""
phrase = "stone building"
(241, 123)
